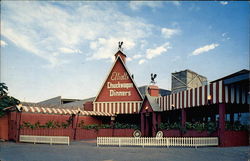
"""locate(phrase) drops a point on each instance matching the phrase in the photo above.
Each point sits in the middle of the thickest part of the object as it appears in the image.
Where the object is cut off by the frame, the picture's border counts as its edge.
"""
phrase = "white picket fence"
(154, 141)
(44, 139)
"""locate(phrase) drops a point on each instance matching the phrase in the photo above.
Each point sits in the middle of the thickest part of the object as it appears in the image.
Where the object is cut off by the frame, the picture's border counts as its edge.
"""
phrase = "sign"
(115, 87)
(119, 86)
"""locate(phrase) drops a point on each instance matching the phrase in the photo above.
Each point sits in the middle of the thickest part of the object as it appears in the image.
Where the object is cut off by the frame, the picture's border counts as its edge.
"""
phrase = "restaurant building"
(222, 101)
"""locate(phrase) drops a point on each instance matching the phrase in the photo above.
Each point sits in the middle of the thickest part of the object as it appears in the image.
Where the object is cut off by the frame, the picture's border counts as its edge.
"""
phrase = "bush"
(208, 126)
(92, 126)
(211, 127)
(105, 126)
(49, 124)
(169, 126)
(118, 125)
(236, 126)
(199, 126)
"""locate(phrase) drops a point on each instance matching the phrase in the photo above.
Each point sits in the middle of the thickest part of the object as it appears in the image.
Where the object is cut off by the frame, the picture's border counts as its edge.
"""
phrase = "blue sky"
(66, 49)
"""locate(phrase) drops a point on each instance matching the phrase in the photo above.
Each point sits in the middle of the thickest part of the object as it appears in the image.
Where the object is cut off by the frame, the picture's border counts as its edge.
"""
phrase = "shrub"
(236, 126)
(211, 127)
(92, 126)
(169, 126)
(105, 126)
(118, 125)
(49, 124)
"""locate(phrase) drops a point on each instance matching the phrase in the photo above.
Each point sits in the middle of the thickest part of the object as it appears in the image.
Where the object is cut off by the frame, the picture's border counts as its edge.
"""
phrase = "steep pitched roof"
(152, 101)
(119, 59)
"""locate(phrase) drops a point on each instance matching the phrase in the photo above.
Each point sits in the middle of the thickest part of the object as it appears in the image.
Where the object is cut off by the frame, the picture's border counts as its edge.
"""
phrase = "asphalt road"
(87, 151)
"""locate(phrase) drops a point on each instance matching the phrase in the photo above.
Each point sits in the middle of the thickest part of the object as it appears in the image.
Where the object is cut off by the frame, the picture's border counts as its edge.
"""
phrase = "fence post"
(50, 140)
(168, 142)
(195, 139)
(119, 142)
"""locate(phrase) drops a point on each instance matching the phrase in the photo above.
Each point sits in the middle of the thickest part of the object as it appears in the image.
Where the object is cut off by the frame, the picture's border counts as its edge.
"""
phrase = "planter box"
(234, 138)
(105, 133)
(4, 128)
(195, 133)
(123, 132)
(171, 133)
(48, 132)
(86, 134)
(80, 133)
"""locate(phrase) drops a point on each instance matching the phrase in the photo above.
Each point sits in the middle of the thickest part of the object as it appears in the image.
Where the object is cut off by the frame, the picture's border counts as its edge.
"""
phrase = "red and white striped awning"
(119, 107)
(212, 93)
(61, 111)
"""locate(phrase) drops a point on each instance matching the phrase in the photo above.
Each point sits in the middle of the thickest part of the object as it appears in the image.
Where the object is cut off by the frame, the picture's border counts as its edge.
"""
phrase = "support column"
(18, 124)
(142, 124)
(213, 114)
(232, 117)
(146, 125)
(158, 120)
(154, 122)
(72, 121)
(183, 117)
(222, 109)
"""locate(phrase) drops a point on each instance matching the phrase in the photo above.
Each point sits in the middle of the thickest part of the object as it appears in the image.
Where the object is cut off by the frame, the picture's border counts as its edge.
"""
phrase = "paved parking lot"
(87, 151)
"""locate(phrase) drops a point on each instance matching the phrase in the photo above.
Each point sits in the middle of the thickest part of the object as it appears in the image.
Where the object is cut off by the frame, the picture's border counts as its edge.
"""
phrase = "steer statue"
(120, 45)
(153, 76)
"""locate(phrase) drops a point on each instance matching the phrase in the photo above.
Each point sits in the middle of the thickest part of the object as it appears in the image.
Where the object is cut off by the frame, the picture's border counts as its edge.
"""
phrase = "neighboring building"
(162, 92)
(185, 80)
(77, 104)
(57, 101)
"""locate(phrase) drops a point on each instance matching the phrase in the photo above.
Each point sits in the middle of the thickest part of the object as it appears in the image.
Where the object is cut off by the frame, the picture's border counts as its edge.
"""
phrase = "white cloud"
(69, 50)
(151, 53)
(141, 61)
(3, 43)
(136, 5)
(168, 33)
(205, 48)
(223, 3)
(137, 56)
(104, 48)
(223, 34)
(30, 26)
(129, 59)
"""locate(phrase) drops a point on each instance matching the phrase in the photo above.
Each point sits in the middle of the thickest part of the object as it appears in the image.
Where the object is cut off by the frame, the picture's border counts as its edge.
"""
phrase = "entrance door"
(148, 125)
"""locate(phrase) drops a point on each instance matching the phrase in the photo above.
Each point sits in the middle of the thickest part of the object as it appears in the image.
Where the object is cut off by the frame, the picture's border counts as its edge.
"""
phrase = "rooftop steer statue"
(153, 76)
(120, 45)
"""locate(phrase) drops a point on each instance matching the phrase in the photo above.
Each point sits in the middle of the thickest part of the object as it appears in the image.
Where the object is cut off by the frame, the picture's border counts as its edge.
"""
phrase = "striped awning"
(129, 107)
(61, 111)
(212, 93)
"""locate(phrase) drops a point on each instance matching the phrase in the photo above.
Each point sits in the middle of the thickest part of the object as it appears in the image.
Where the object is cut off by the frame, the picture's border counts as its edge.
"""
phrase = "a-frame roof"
(118, 58)
(120, 52)
(152, 101)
